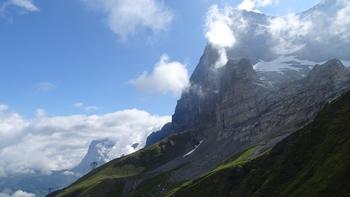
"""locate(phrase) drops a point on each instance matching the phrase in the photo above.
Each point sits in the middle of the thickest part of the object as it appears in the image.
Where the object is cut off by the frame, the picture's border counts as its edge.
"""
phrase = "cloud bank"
(126, 17)
(45, 144)
(166, 77)
(18, 193)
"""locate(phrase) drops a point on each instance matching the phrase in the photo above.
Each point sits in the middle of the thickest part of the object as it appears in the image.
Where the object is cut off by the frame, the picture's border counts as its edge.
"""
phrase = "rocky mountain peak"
(241, 70)
(333, 70)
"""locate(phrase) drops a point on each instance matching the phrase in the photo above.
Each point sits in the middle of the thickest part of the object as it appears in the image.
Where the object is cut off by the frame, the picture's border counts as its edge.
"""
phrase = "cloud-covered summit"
(304, 35)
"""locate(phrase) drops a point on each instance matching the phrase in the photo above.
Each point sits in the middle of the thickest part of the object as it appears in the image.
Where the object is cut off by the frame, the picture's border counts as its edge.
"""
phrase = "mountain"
(313, 161)
(41, 185)
(98, 154)
(247, 113)
(243, 112)
(281, 49)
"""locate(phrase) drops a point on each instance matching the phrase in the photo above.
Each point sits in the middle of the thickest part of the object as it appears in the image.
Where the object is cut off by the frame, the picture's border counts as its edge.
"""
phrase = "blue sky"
(66, 53)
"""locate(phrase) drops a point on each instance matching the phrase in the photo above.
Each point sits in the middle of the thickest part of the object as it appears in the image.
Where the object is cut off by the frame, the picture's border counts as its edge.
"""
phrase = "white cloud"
(253, 5)
(342, 20)
(288, 31)
(126, 17)
(219, 33)
(18, 193)
(68, 173)
(86, 108)
(27, 5)
(45, 86)
(44, 144)
(166, 77)
(222, 28)
(3, 107)
(293, 31)
(223, 59)
(11, 125)
(218, 30)
(40, 113)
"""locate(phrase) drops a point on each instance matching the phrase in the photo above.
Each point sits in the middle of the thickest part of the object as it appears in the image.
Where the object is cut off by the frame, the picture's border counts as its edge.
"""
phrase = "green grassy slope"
(313, 162)
(109, 180)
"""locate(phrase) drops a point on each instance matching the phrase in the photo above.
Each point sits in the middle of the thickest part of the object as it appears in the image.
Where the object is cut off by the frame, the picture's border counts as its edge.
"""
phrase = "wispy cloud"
(86, 108)
(45, 86)
(26, 5)
(44, 144)
(254, 5)
(126, 17)
(166, 77)
(3, 107)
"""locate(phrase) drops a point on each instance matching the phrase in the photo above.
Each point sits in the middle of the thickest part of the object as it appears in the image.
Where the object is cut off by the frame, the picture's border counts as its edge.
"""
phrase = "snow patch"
(346, 63)
(283, 63)
(68, 173)
(195, 148)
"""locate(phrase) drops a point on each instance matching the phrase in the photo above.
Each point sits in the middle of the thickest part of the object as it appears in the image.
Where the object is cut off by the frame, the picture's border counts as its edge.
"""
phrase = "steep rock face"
(249, 113)
(199, 100)
(250, 110)
(238, 100)
(239, 87)
(313, 161)
(155, 137)
(197, 103)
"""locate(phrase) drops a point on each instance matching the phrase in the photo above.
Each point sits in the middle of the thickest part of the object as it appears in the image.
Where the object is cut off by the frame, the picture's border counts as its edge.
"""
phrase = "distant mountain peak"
(97, 154)
(333, 67)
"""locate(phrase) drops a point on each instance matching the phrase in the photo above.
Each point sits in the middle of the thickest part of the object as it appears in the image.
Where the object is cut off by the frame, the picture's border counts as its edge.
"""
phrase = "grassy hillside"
(109, 180)
(314, 161)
